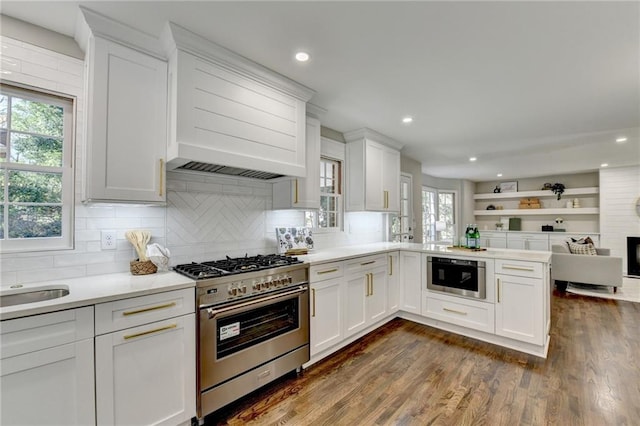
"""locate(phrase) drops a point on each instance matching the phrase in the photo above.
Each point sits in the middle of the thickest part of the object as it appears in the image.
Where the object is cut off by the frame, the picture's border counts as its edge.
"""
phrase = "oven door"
(235, 338)
(461, 277)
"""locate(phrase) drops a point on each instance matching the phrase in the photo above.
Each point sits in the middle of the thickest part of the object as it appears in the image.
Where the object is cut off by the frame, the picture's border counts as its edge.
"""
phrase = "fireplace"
(633, 256)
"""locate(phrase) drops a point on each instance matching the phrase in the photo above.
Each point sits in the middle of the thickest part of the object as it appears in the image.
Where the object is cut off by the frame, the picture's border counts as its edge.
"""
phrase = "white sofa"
(602, 269)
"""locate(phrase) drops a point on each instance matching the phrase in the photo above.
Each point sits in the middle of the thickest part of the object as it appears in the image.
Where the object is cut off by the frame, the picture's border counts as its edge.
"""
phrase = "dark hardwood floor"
(409, 374)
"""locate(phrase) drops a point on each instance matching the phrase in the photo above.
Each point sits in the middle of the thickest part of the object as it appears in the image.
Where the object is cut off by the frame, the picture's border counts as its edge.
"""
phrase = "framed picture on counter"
(509, 186)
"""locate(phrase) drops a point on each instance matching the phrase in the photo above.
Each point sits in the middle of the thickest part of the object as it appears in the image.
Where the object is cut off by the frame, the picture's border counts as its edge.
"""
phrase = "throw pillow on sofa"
(587, 249)
(585, 240)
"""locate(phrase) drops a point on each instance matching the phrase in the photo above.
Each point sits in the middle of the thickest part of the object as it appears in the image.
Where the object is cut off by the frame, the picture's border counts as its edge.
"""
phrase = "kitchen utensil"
(139, 239)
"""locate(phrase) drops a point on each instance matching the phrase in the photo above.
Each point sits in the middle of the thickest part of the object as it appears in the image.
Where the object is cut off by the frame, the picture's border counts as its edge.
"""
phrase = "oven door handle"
(214, 312)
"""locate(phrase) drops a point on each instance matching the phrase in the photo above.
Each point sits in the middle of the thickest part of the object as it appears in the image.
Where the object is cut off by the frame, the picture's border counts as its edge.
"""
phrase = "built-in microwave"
(457, 276)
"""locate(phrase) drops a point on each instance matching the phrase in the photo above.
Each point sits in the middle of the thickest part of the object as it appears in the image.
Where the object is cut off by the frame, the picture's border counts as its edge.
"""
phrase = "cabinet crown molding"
(366, 133)
(93, 23)
(175, 37)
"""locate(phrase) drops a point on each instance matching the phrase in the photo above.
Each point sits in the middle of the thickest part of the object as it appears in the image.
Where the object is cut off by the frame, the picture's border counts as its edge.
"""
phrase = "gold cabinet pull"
(161, 177)
(454, 311)
(498, 288)
(371, 283)
(390, 265)
(152, 308)
(145, 333)
(295, 195)
(328, 271)
(368, 263)
(313, 305)
(517, 268)
(368, 285)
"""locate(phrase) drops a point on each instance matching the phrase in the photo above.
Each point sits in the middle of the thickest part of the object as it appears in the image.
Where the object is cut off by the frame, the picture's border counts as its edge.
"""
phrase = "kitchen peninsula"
(355, 289)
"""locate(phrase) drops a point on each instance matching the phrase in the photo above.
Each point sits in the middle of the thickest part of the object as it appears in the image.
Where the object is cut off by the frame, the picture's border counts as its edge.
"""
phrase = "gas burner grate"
(238, 265)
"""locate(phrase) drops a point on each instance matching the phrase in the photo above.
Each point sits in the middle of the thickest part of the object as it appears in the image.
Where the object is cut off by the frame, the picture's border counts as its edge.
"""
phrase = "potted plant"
(558, 189)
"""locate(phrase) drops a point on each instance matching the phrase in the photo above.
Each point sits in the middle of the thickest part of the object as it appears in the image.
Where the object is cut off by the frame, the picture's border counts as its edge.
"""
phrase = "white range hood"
(230, 115)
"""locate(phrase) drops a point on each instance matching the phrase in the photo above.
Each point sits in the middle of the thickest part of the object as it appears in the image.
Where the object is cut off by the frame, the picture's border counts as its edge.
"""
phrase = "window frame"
(338, 196)
(69, 105)
(453, 224)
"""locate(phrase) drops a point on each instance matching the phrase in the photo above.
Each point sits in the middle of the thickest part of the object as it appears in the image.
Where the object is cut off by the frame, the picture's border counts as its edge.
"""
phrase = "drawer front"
(519, 268)
(126, 313)
(366, 263)
(478, 316)
(326, 271)
(536, 237)
(37, 332)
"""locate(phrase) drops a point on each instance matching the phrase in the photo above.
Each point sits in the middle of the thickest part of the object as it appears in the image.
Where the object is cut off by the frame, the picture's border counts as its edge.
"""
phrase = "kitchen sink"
(19, 296)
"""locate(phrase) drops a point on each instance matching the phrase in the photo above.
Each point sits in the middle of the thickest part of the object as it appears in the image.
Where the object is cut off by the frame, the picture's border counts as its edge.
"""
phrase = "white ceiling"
(529, 88)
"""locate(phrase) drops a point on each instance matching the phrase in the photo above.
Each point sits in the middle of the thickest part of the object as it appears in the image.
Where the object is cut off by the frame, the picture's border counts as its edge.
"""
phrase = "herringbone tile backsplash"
(209, 217)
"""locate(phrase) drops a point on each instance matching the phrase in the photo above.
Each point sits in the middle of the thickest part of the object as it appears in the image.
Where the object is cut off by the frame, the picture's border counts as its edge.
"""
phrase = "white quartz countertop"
(349, 252)
(95, 289)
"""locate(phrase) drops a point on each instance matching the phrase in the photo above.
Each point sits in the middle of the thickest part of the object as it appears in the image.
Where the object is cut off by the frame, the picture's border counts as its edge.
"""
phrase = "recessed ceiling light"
(499, 175)
(302, 56)
(472, 158)
(621, 140)
(604, 165)
(407, 120)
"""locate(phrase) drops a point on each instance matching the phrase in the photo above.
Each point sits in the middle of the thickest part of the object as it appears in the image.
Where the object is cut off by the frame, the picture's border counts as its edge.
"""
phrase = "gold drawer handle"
(313, 306)
(367, 263)
(454, 311)
(153, 308)
(144, 333)
(328, 271)
(390, 265)
(518, 268)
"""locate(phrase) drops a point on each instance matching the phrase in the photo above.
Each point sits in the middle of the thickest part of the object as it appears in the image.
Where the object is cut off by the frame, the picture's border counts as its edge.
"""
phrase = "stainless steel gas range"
(253, 324)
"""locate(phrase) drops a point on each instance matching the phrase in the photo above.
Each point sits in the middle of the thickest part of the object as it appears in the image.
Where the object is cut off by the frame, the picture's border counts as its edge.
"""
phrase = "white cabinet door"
(126, 124)
(355, 307)
(146, 375)
(374, 164)
(493, 239)
(373, 176)
(519, 308)
(412, 281)
(53, 386)
(394, 282)
(326, 314)
(391, 179)
(303, 193)
(528, 241)
(377, 295)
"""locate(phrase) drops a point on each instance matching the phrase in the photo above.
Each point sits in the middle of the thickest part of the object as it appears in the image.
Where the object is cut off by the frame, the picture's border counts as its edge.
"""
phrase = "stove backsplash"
(206, 217)
(209, 217)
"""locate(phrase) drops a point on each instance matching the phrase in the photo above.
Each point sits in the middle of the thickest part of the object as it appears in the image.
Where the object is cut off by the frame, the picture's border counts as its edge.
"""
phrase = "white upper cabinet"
(373, 172)
(227, 111)
(126, 113)
(303, 193)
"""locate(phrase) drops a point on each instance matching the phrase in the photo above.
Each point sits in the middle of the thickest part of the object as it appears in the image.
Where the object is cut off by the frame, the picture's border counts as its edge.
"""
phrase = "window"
(36, 175)
(401, 225)
(329, 216)
(438, 215)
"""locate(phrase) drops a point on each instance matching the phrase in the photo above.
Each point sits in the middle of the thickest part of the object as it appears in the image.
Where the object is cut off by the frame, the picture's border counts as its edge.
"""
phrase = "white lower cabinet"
(412, 280)
(460, 311)
(528, 242)
(366, 293)
(47, 369)
(327, 298)
(519, 308)
(394, 283)
(145, 373)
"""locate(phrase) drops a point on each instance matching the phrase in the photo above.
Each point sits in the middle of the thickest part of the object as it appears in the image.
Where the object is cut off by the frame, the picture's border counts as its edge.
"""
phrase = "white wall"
(619, 191)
